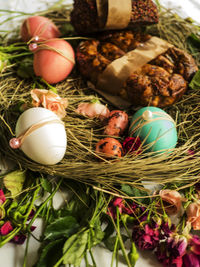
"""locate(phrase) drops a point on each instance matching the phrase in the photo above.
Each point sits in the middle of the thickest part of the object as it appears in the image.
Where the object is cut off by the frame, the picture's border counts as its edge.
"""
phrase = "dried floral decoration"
(50, 100)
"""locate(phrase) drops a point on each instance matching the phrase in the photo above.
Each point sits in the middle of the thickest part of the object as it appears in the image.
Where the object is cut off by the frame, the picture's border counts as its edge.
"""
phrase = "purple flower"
(191, 260)
(146, 237)
(131, 145)
(170, 251)
(166, 229)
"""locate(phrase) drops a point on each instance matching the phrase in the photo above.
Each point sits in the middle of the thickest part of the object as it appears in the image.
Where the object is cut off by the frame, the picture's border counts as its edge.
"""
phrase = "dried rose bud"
(132, 145)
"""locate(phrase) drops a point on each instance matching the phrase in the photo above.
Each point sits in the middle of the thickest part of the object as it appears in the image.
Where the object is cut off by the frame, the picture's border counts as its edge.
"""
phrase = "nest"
(81, 163)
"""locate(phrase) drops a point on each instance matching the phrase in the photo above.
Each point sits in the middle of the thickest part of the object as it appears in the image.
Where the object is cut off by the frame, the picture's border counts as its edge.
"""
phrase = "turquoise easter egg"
(156, 129)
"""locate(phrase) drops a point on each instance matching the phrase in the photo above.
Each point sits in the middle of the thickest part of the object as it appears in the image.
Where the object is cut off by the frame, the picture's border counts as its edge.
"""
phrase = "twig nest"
(41, 135)
(54, 59)
(156, 129)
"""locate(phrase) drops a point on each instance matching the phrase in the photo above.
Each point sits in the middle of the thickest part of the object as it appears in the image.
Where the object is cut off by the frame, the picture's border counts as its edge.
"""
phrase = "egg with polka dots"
(109, 148)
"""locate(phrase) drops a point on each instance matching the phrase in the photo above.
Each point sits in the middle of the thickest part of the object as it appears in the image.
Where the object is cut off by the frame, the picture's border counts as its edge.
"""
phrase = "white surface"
(12, 255)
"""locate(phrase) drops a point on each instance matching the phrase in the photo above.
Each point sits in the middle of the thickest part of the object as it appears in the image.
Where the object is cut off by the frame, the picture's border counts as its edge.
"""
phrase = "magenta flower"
(19, 239)
(136, 211)
(112, 208)
(2, 197)
(191, 260)
(145, 238)
(166, 230)
(6, 228)
(124, 207)
(30, 216)
(170, 251)
(194, 244)
(131, 145)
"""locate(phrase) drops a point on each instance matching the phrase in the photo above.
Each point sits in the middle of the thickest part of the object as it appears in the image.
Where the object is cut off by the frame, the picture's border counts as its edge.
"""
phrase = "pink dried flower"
(147, 237)
(93, 110)
(136, 211)
(6, 228)
(194, 244)
(191, 260)
(172, 200)
(49, 100)
(114, 204)
(193, 215)
(170, 251)
(2, 197)
(132, 145)
(20, 238)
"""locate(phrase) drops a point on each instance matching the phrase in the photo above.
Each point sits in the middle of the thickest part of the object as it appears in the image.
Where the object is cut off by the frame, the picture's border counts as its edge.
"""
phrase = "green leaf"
(96, 233)
(46, 184)
(25, 68)
(135, 192)
(193, 40)
(62, 227)
(50, 253)
(14, 182)
(110, 242)
(75, 248)
(195, 82)
(109, 230)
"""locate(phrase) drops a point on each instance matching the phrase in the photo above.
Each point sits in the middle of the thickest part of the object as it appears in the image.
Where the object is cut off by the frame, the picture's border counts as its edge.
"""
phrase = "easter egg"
(156, 129)
(53, 60)
(109, 147)
(117, 123)
(38, 28)
(43, 134)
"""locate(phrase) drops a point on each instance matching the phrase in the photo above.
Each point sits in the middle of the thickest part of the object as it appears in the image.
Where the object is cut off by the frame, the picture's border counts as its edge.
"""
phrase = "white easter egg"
(45, 144)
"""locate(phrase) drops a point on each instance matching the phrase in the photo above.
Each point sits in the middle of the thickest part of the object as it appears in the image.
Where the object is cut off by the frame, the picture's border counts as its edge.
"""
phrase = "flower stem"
(121, 241)
(115, 250)
(44, 204)
(26, 250)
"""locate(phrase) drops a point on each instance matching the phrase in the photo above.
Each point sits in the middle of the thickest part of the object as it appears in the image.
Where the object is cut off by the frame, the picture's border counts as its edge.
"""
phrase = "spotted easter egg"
(117, 123)
(109, 147)
(42, 135)
(156, 129)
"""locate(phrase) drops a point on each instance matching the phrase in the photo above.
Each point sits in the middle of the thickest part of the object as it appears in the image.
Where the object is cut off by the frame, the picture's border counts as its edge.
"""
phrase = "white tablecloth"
(12, 255)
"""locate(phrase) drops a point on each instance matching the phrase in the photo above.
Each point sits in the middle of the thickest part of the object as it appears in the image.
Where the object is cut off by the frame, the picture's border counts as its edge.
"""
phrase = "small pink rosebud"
(6, 228)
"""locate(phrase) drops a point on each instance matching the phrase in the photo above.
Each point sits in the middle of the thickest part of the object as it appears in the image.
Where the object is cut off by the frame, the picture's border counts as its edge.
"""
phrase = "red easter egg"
(39, 27)
(53, 60)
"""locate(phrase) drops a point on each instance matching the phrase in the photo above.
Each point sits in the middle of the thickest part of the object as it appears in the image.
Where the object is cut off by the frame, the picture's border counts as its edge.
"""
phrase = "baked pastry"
(85, 19)
(159, 82)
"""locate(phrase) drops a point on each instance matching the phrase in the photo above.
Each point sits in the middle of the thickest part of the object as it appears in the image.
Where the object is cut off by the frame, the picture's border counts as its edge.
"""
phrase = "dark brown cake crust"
(84, 16)
(160, 83)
